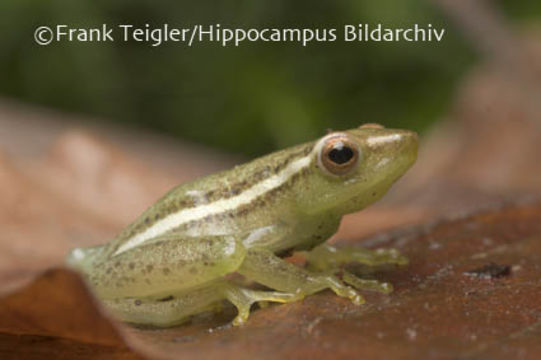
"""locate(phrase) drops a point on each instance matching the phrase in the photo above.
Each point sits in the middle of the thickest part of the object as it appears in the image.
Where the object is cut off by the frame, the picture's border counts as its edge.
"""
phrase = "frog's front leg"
(264, 267)
(330, 259)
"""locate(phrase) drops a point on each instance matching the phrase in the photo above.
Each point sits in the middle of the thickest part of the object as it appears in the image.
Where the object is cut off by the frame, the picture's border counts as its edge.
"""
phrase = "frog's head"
(354, 168)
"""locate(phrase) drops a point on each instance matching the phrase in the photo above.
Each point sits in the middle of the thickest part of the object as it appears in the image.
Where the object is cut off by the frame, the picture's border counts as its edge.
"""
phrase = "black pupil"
(341, 154)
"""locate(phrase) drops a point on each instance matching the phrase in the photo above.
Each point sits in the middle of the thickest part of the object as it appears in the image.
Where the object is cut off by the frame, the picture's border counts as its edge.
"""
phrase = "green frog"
(184, 254)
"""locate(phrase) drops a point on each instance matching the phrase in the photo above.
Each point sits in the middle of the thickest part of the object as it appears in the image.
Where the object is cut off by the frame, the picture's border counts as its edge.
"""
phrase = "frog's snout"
(408, 144)
(395, 150)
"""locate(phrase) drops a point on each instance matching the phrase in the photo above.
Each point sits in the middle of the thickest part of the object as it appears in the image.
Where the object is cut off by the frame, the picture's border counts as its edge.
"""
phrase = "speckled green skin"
(239, 223)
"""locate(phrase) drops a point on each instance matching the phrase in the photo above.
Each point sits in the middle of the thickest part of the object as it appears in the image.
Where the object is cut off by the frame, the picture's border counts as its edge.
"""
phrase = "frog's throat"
(217, 207)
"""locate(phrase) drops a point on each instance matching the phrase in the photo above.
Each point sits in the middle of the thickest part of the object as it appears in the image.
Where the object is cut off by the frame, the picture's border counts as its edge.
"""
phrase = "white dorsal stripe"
(219, 206)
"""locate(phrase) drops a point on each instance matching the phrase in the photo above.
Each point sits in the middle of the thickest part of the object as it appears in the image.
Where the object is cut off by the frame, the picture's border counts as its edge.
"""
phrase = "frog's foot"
(326, 257)
(366, 284)
(243, 299)
(266, 268)
(321, 282)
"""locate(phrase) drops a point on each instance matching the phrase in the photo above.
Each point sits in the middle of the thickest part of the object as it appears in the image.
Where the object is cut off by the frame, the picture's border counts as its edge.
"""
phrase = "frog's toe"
(242, 316)
(376, 257)
(243, 299)
(366, 284)
(343, 290)
(354, 296)
(326, 257)
(389, 256)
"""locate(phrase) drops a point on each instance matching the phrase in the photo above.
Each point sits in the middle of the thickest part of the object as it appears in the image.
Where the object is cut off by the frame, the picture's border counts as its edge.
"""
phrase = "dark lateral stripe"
(242, 211)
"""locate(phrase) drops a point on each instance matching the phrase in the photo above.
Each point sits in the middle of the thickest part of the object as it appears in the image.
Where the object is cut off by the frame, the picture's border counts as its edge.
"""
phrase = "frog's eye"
(339, 155)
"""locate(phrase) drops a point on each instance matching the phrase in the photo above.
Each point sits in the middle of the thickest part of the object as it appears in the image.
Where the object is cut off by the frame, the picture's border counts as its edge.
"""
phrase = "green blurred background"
(248, 99)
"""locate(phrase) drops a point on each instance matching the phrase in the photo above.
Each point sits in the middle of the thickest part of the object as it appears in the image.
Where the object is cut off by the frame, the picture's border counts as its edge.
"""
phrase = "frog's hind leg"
(165, 266)
(170, 311)
(179, 307)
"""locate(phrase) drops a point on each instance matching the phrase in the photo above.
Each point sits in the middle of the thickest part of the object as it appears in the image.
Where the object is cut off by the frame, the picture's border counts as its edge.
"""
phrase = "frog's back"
(214, 205)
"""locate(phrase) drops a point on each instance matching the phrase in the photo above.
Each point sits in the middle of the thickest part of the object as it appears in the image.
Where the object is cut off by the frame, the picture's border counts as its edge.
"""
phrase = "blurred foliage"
(249, 99)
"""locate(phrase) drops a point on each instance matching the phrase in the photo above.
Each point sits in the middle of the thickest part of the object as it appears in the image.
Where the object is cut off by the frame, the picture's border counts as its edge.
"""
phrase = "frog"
(206, 242)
